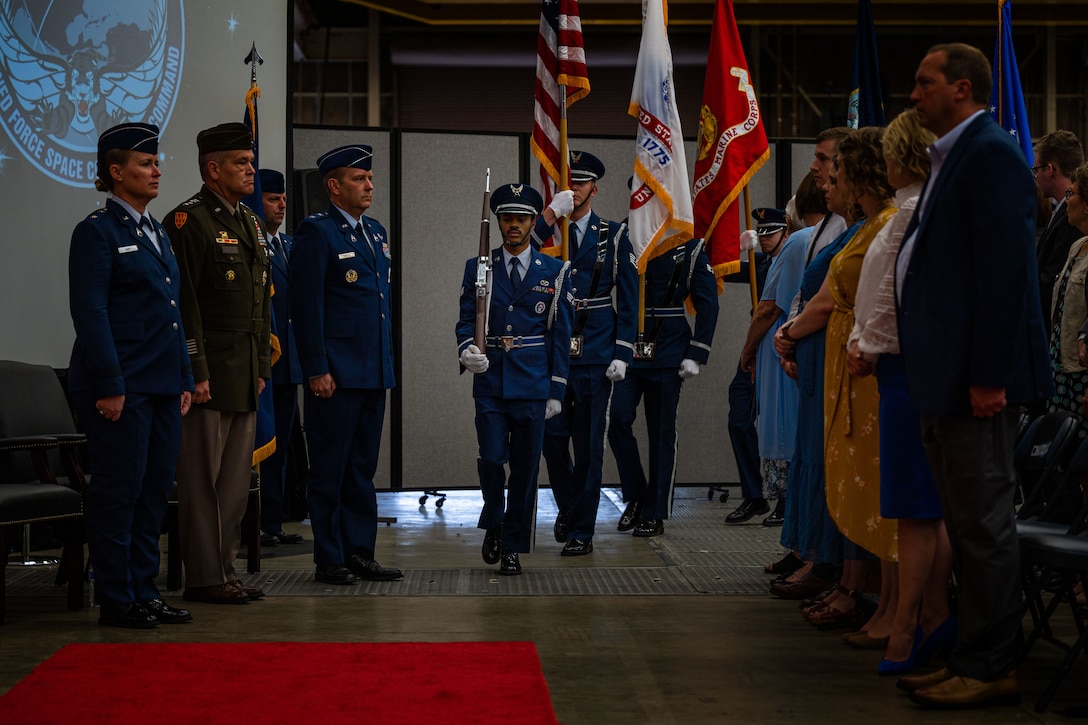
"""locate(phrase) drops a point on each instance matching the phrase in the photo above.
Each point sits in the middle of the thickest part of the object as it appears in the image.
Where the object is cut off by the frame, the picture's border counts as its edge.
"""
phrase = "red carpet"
(284, 682)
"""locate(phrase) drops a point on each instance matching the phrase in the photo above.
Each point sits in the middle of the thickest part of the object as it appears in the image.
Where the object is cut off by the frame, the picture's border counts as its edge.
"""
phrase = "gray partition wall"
(434, 186)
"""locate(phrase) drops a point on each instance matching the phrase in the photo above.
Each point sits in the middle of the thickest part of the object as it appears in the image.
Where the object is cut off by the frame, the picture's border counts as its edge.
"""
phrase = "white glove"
(617, 371)
(749, 240)
(552, 408)
(474, 360)
(562, 203)
(689, 368)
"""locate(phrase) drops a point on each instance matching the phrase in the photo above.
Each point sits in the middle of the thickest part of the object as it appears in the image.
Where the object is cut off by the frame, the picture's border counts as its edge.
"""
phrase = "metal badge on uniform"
(545, 282)
(576, 345)
(231, 275)
(345, 255)
(385, 250)
(645, 350)
(264, 278)
(224, 239)
(180, 218)
(352, 276)
(126, 250)
(540, 307)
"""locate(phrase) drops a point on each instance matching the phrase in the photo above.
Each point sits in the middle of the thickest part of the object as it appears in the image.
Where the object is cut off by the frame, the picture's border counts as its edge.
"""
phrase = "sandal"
(786, 565)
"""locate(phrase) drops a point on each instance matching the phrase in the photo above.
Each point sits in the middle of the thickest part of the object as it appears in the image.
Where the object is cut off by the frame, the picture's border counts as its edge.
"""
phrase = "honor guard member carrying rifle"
(602, 265)
(225, 307)
(521, 378)
(340, 271)
(667, 355)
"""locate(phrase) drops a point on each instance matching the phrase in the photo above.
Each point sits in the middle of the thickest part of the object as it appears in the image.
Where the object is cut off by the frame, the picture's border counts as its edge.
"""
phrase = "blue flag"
(1007, 98)
(866, 100)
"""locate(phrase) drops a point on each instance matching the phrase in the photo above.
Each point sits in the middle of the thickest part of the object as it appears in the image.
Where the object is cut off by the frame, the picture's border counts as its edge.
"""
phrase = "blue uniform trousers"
(659, 388)
(742, 433)
(576, 484)
(509, 431)
(131, 462)
(274, 468)
(343, 436)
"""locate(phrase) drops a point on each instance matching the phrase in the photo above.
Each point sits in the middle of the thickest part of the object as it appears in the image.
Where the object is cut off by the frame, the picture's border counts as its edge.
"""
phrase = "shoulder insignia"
(195, 201)
(180, 218)
(319, 215)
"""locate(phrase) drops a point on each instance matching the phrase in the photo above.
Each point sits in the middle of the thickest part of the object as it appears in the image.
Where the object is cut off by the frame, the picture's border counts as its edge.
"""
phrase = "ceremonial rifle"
(483, 270)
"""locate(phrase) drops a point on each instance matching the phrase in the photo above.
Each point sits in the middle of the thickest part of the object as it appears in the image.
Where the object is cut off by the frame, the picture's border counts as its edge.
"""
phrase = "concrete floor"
(688, 657)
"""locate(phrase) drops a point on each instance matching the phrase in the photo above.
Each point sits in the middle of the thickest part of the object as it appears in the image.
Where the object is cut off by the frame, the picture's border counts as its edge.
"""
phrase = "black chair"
(1040, 457)
(38, 439)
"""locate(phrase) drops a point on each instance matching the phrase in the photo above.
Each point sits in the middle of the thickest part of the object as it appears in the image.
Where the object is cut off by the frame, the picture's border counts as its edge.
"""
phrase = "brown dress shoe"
(251, 592)
(963, 692)
(910, 683)
(803, 588)
(218, 594)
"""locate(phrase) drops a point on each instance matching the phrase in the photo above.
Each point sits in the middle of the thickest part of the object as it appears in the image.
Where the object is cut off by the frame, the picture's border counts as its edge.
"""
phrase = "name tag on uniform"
(345, 255)
(126, 250)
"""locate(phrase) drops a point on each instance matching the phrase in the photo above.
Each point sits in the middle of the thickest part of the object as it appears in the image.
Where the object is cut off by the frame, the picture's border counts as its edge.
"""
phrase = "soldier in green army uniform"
(226, 312)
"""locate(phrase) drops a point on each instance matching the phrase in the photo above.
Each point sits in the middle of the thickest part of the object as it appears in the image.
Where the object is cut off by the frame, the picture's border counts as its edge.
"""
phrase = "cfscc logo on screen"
(70, 69)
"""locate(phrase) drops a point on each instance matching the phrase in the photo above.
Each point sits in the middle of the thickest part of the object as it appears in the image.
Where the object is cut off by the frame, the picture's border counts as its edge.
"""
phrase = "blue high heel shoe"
(901, 667)
(944, 635)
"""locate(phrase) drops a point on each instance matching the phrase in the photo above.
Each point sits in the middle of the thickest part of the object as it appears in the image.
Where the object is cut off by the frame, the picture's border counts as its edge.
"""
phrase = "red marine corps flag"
(732, 143)
(561, 79)
(660, 217)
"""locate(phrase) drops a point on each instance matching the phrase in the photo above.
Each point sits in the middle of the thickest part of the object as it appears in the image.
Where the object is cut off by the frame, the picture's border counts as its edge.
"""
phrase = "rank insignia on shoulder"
(351, 276)
(224, 239)
(192, 202)
(180, 218)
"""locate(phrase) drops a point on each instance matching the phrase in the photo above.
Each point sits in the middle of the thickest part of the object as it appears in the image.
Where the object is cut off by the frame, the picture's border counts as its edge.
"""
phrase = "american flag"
(560, 61)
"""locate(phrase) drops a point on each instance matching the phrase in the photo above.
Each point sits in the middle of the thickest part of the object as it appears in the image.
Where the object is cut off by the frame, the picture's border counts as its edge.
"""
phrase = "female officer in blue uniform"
(521, 377)
(129, 376)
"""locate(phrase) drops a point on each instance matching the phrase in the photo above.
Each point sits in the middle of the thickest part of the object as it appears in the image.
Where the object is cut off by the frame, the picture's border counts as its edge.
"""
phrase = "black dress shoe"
(371, 570)
(165, 613)
(268, 539)
(778, 516)
(283, 537)
(630, 516)
(559, 530)
(577, 547)
(129, 616)
(492, 548)
(748, 508)
(333, 574)
(511, 564)
(650, 527)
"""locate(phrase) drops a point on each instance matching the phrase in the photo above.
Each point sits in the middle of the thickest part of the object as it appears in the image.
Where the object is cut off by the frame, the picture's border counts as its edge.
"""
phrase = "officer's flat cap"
(130, 137)
(769, 221)
(224, 137)
(584, 166)
(516, 199)
(358, 156)
(272, 182)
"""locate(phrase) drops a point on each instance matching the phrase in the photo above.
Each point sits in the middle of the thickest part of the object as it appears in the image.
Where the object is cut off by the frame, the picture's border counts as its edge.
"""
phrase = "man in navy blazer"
(971, 331)
(1057, 156)
(340, 271)
(521, 377)
(287, 371)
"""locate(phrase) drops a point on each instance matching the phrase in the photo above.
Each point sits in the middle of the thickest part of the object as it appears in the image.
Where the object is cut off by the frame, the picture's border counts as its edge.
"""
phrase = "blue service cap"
(584, 166)
(357, 156)
(272, 182)
(130, 137)
(768, 220)
(516, 199)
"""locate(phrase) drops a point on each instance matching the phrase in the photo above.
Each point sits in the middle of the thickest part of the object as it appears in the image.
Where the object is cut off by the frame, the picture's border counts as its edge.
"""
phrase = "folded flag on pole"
(866, 99)
(732, 143)
(1007, 97)
(661, 214)
(561, 78)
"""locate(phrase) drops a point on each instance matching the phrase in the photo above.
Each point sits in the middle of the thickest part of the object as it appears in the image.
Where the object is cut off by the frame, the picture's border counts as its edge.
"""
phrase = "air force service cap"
(224, 137)
(584, 166)
(358, 156)
(271, 182)
(516, 199)
(130, 137)
(769, 221)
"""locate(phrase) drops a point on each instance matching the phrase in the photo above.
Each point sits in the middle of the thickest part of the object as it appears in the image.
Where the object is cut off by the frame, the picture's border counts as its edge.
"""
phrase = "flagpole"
(564, 163)
(751, 252)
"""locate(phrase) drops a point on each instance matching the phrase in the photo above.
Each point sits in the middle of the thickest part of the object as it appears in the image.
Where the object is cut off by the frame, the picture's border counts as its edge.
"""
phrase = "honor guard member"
(129, 376)
(667, 356)
(340, 270)
(602, 266)
(287, 372)
(521, 378)
(225, 305)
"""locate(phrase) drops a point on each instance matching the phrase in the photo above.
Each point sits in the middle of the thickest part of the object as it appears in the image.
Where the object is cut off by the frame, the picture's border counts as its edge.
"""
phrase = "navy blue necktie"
(515, 274)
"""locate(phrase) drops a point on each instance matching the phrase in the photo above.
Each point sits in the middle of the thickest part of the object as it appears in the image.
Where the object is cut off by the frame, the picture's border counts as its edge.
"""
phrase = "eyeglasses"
(1035, 169)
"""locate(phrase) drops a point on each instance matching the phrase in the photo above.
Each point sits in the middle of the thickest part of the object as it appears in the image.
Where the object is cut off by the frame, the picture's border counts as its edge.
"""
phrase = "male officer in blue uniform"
(521, 377)
(287, 371)
(666, 356)
(602, 263)
(340, 270)
(129, 376)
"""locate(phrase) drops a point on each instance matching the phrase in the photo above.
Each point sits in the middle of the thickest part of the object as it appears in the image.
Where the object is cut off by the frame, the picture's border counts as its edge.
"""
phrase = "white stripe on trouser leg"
(675, 446)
